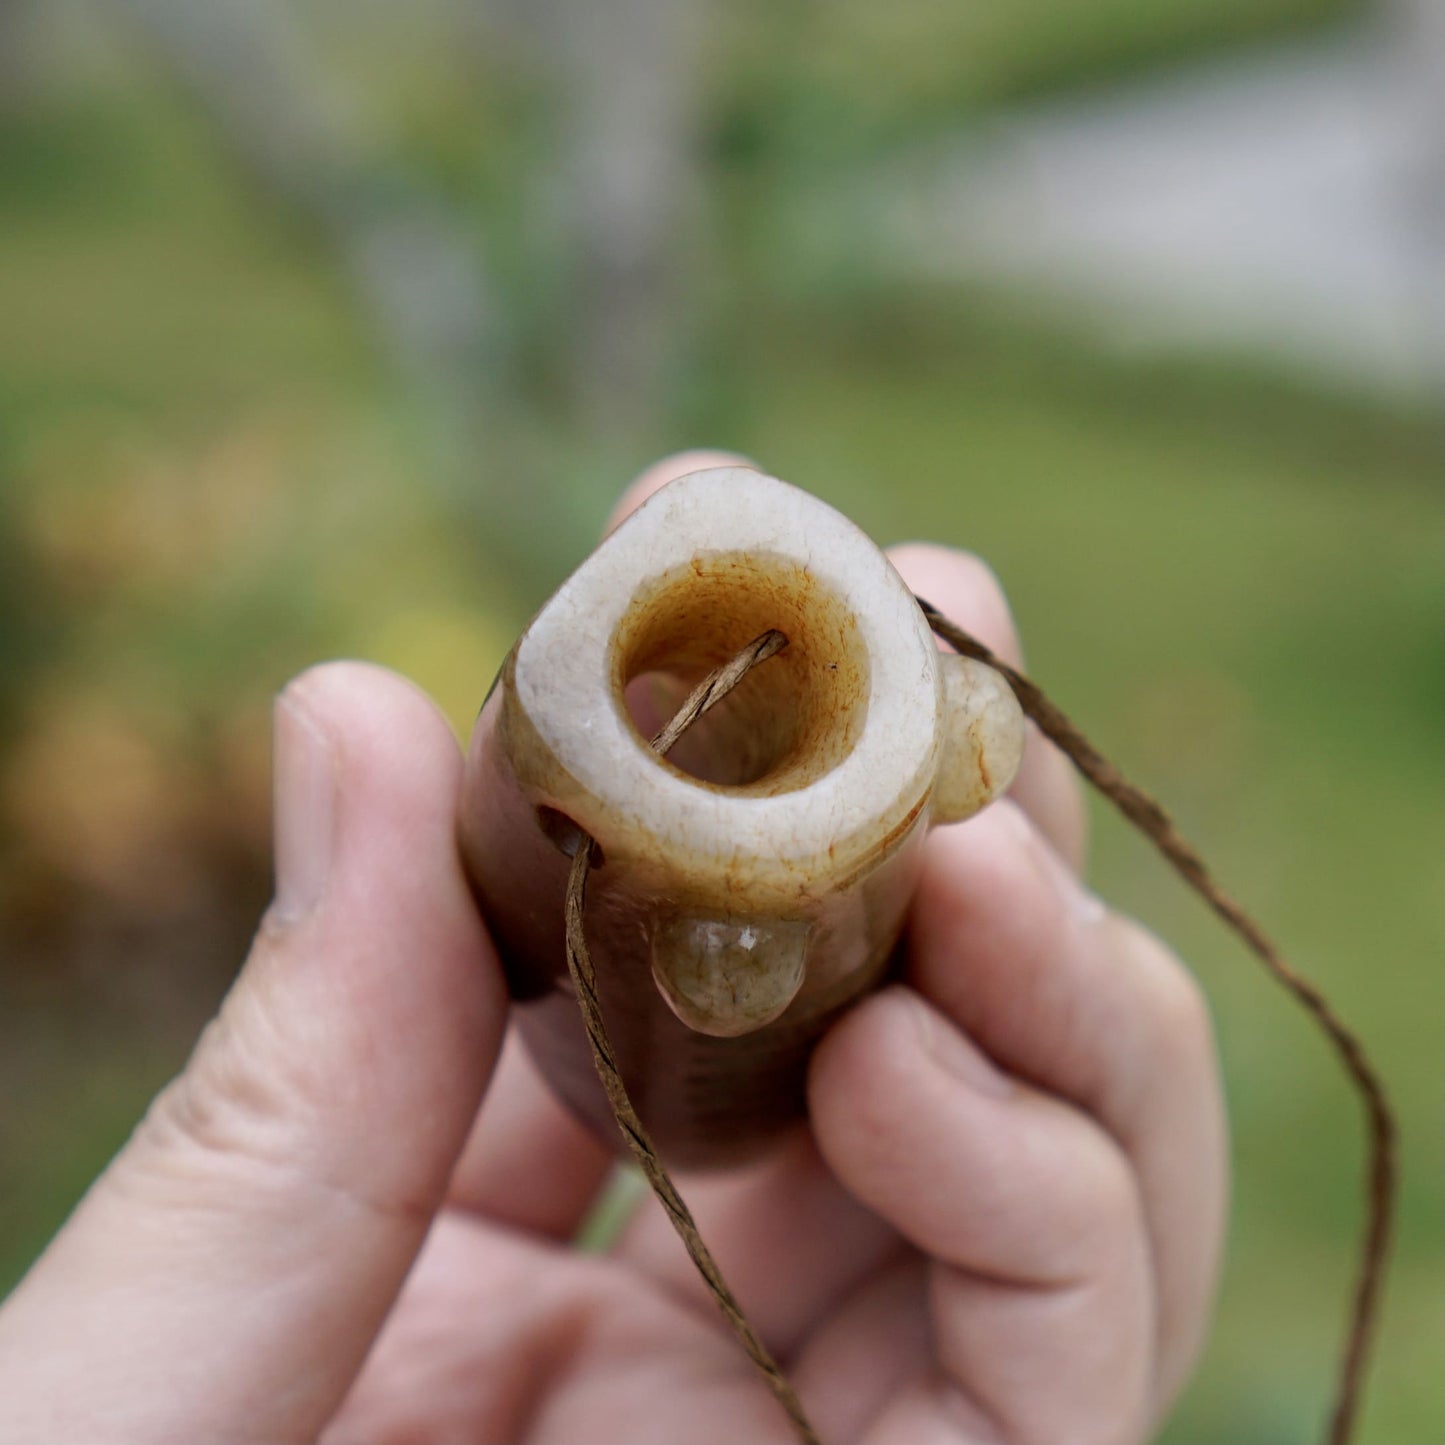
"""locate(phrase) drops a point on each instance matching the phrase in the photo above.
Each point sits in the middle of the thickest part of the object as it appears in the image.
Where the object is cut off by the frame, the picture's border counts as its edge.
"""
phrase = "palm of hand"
(507, 1334)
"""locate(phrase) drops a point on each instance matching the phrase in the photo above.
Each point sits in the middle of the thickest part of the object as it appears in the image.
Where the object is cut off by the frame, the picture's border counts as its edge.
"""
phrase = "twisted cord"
(710, 691)
(1145, 814)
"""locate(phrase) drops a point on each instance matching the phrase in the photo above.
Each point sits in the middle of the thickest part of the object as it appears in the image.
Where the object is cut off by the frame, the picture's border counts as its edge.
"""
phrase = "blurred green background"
(335, 330)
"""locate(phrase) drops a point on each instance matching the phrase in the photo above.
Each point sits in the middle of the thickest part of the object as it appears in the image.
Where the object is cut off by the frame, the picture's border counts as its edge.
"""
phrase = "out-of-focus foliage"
(212, 473)
(820, 74)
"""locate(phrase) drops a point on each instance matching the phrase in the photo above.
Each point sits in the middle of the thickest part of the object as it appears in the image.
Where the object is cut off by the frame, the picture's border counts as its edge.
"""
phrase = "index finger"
(669, 469)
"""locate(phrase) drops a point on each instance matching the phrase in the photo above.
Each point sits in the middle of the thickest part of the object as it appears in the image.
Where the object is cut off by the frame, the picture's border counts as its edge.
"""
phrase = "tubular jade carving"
(754, 883)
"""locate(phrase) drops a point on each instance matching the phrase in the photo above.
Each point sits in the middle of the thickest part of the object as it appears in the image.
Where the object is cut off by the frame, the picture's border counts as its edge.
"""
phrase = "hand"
(1003, 1224)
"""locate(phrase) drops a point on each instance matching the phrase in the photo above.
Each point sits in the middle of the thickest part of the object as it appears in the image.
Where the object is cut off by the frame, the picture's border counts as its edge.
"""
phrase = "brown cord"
(711, 690)
(1151, 820)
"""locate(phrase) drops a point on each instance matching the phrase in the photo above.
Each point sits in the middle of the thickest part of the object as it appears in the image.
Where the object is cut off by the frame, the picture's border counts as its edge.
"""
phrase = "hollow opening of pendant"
(793, 718)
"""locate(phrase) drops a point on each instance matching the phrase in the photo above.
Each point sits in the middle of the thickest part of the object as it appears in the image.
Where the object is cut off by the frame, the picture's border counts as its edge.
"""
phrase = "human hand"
(1003, 1223)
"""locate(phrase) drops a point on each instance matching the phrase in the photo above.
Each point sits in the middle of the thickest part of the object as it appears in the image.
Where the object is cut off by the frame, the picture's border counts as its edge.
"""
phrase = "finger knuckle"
(1184, 1017)
(1092, 1217)
(1108, 1198)
(1178, 1012)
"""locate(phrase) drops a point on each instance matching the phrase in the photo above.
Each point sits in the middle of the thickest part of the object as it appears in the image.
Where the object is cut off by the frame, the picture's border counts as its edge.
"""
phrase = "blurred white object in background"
(1285, 203)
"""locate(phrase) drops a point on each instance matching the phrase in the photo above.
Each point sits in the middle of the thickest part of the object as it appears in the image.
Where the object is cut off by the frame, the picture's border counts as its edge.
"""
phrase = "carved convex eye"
(983, 739)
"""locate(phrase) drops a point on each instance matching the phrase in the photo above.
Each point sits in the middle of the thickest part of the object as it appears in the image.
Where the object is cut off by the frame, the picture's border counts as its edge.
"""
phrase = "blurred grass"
(1234, 584)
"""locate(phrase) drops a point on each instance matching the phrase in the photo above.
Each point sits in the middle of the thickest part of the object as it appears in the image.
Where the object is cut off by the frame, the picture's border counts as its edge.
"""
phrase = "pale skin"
(349, 1218)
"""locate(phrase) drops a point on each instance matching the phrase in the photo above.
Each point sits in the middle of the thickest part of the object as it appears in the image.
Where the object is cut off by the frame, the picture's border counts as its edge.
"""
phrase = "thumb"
(225, 1277)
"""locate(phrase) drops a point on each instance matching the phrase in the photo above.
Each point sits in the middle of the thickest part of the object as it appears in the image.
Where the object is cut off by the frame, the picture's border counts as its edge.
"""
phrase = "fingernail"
(953, 1052)
(304, 783)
